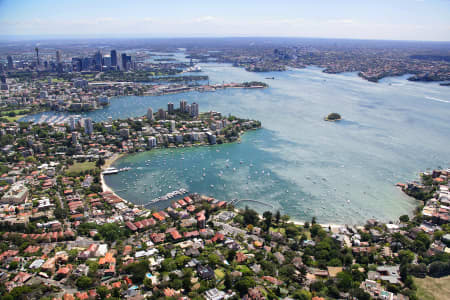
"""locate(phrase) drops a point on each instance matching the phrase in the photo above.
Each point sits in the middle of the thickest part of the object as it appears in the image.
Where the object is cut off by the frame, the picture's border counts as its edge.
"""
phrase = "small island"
(333, 117)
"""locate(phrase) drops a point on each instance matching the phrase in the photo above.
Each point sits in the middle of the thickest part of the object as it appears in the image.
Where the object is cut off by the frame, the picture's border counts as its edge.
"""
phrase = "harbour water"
(342, 172)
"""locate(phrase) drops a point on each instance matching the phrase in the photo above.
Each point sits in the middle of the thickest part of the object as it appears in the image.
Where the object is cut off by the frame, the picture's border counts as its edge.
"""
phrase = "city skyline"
(385, 20)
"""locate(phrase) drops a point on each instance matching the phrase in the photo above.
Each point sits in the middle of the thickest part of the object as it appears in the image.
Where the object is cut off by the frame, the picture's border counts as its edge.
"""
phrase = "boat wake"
(437, 99)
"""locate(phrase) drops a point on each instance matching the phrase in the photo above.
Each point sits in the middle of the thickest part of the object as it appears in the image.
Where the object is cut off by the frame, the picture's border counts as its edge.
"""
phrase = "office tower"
(194, 110)
(58, 57)
(150, 114)
(10, 63)
(126, 62)
(113, 58)
(183, 105)
(77, 64)
(161, 114)
(37, 56)
(88, 126)
(86, 63)
(107, 61)
(98, 60)
(170, 110)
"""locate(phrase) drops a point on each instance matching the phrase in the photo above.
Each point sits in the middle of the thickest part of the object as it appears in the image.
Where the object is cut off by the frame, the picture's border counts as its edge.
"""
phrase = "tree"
(148, 283)
(291, 231)
(406, 256)
(111, 232)
(439, 269)
(344, 281)
(138, 270)
(360, 294)
(404, 218)
(13, 265)
(277, 217)
(84, 282)
(245, 283)
(228, 282)
(250, 216)
(60, 213)
(422, 242)
(285, 218)
(302, 295)
(100, 162)
(102, 291)
(214, 259)
(267, 219)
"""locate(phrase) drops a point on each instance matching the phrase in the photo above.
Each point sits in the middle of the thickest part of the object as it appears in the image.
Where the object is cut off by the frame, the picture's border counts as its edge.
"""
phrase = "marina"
(167, 196)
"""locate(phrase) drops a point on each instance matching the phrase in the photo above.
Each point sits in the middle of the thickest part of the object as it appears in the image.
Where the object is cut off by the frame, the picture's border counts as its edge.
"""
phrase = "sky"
(425, 20)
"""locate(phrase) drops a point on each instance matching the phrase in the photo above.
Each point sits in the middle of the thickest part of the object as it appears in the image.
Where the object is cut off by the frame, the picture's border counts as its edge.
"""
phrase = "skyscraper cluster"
(100, 62)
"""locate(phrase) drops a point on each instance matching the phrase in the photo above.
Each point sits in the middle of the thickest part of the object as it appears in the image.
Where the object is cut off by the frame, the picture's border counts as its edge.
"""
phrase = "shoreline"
(105, 187)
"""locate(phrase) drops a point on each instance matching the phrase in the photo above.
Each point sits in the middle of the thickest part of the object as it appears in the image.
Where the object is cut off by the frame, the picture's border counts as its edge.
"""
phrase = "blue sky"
(362, 19)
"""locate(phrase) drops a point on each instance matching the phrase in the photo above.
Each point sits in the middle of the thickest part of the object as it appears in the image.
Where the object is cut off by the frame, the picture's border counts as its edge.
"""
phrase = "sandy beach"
(108, 164)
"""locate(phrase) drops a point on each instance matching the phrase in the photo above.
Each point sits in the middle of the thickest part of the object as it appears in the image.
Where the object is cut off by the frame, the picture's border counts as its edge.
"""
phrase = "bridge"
(236, 201)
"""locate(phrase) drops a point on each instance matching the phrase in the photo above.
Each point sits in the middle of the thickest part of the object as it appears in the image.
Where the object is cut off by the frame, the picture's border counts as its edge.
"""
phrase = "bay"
(342, 172)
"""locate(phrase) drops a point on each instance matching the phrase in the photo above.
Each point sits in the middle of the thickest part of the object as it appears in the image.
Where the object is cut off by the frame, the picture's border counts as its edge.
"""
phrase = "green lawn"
(13, 119)
(219, 274)
(78, 168)
(432, 288)
(279, 229)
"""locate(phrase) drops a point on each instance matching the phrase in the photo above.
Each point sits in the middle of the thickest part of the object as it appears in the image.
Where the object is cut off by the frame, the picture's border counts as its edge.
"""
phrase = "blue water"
(341, 172)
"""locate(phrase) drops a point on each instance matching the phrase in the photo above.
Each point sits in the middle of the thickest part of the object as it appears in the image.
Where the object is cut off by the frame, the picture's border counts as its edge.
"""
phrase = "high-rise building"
(74, 137)
(113, 58)
(107, 61)
(73, 123)
(172, 126)
(38, 63)
(194, 110)
(150, 114)
(152, 142)
(126, 62)
(98, 60)
(58, 56)
(183, 105)
(88, 126)
(161, 114)
(10, 63)
(170, 109)
(86, 63)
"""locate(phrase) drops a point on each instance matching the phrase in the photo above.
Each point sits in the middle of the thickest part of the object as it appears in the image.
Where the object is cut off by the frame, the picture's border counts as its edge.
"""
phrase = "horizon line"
(48, 37)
